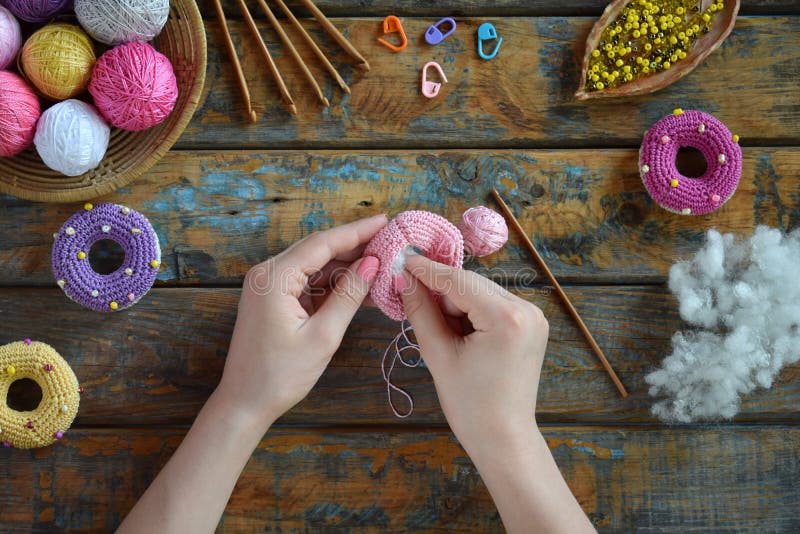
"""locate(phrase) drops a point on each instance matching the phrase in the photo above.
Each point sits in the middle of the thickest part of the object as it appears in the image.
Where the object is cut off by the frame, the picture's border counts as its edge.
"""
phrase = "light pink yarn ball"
(484, 230)
(19, 112)
(134, 86)
(10, 38)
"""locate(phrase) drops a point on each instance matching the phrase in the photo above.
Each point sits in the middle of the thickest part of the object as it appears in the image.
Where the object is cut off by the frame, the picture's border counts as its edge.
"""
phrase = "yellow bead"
(595, 78)
(596, 53)
(88, 206)
(657, 40)
(674, 182)
(677, 111)
(680, 10)
(673, 39)
(619, 63)
(636, 34)
(695, 28)
(735, 138)
(628, 77)
(626, 69)
(682, 36)
(81, 255)
(706, 17)
(600, 85)
(11, 370)
(608, 47)
(648, 46)
(653, 30)
(689, 32)
(712, 7)
(611, 55)
(667, 64)
(676, 20)
(113, 305)
(154, 264)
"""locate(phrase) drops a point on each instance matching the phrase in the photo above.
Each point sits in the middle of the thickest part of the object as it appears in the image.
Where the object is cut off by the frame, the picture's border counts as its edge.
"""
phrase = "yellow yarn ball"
(58, 60)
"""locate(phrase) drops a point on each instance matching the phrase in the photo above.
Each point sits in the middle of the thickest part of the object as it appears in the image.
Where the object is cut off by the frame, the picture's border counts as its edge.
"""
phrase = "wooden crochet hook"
(337, 36)
(564, 298)
(313, 45)
(293, 52)
(237, 66)
(287, 96)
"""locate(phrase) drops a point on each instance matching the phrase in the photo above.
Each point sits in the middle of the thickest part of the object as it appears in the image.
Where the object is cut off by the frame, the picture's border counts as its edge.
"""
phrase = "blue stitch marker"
(434, 35)
(486, 32)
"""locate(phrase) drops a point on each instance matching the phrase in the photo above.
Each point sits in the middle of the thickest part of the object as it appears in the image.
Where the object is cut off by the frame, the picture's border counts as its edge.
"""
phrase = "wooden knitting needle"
(287, 96)
(251, 114)
(310, 42)
(331, 30)
(564, 298)
(293, 51)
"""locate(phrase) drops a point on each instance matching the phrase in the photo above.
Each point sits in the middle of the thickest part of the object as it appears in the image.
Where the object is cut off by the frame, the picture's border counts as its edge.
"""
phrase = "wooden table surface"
(230, 195)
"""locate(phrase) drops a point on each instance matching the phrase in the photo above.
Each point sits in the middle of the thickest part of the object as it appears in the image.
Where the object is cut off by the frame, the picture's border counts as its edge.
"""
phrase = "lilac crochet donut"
(681, 194)
(122, 288)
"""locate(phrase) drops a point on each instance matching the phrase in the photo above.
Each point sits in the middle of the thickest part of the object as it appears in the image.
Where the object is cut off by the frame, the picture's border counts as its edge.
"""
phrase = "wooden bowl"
(129, 154)
(720, 28)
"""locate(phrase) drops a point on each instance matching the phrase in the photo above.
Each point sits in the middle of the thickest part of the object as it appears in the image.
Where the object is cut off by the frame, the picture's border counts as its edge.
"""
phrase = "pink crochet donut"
(681, 194)
(434, 237)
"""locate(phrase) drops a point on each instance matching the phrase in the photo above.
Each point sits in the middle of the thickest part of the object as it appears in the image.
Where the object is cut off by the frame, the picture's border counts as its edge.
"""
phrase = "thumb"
(344, 300)
(436, 339)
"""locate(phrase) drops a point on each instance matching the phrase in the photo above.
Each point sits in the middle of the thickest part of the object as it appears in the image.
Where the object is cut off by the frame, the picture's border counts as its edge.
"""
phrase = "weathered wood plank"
(158, 362)
(522, 98)
(497, 8)
(218, 213)
(733, 478)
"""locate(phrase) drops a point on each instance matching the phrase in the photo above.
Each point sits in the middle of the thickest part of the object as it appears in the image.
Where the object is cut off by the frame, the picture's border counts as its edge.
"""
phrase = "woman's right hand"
(484, 347)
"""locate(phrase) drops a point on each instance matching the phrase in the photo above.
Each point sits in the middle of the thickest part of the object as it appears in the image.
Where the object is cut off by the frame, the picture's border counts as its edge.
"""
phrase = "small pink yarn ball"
(134, 86)
(19, 112)
(484, 230)
(10, 38)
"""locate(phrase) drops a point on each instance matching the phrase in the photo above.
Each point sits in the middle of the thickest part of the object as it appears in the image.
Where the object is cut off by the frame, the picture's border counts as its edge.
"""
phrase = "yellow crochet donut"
(60, 395)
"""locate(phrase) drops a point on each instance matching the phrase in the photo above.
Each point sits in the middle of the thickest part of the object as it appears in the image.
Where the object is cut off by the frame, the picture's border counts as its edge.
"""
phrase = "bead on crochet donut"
(125, 286)
(49, 421)
(681, 194)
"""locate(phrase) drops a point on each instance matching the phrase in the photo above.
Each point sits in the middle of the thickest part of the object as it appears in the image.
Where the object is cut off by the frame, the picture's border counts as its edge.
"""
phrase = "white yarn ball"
(72, 137)
(115, 22)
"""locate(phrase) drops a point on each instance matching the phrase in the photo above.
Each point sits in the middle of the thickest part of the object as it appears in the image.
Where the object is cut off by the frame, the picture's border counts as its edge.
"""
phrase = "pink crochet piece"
(681, 194)
(434, 236)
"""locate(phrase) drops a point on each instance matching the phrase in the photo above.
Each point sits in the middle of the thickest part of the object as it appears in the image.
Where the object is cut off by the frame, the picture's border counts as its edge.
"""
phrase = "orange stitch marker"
(391, 24)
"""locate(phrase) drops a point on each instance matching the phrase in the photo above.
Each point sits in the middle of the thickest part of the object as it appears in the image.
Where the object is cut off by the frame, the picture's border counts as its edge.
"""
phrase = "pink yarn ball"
(484, 230)
(10, 38)
(37, 10)
(19, 111)
(134, 86)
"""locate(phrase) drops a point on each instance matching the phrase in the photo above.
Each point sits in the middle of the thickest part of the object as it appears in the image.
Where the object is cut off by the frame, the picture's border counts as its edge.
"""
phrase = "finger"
(315, 251)
(435, 338)
(338, 309)
(469, 292)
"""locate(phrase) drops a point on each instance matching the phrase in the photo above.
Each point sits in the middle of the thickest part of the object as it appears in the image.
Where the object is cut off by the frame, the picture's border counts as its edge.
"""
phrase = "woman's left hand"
(293, 313)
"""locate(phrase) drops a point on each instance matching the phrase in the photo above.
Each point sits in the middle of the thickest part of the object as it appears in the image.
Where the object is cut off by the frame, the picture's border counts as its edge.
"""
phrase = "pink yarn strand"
(402, 336)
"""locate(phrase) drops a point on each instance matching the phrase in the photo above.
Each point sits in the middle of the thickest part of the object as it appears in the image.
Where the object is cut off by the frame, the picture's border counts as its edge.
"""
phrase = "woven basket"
(129, 154)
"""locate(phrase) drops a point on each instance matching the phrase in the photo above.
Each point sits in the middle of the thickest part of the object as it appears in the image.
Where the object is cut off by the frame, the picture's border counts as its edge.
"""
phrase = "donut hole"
(24, 395)
(690, 162)
(106, 256)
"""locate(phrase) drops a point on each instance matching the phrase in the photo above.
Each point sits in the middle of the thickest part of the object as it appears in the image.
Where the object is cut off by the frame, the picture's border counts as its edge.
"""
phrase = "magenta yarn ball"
(10, 38)
(134, 86)
(37, 10)
(19, 112)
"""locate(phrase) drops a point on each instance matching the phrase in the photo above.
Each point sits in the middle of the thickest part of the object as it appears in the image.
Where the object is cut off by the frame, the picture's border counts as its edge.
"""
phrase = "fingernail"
(368, 268)
(400, 283)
